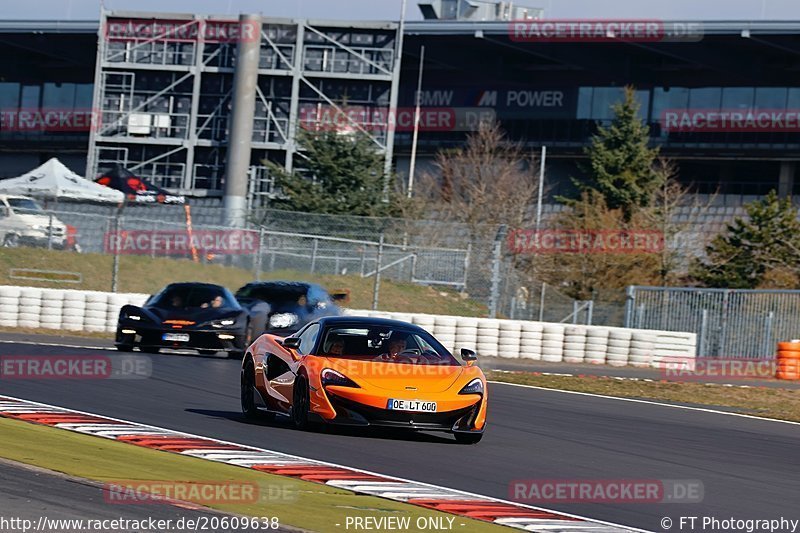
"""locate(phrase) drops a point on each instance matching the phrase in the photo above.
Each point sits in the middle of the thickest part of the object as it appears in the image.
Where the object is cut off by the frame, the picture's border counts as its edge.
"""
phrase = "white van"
(24, 222)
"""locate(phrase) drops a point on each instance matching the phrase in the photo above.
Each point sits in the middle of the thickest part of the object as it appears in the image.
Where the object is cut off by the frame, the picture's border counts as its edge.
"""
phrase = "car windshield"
(277, 296)
(194, 297)
(385, 344)
(23, 204)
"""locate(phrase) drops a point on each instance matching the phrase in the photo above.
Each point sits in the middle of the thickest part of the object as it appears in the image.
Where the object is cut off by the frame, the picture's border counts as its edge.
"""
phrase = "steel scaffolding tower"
(164, 85)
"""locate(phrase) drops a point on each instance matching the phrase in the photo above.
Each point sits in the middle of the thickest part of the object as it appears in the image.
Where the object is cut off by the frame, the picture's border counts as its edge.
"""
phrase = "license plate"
(176, 337)
(411, 405)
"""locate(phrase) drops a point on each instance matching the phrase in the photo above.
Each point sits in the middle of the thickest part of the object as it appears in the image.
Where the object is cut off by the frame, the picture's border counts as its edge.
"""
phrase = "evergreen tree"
(621, 165)
(751, 250)
(341, 174)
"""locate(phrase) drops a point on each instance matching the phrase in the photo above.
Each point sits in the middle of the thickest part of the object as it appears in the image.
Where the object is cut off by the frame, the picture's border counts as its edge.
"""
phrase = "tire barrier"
(65, 309)
(76, 310)
(788, 360)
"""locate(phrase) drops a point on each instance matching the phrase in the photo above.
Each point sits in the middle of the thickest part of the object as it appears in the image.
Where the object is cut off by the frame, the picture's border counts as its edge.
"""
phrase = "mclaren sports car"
(198, 316)
(360, 371)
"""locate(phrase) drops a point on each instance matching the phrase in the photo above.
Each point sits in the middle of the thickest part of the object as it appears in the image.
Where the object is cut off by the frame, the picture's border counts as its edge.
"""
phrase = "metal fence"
(471, 259)
(729, 323)
(273, 241)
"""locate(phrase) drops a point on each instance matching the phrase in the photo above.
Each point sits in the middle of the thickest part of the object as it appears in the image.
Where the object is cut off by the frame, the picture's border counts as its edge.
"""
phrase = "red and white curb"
(451, 501)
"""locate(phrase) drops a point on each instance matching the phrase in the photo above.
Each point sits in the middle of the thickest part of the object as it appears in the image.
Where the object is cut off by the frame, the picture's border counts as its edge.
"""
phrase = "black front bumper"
(199, 339)
(352, 413)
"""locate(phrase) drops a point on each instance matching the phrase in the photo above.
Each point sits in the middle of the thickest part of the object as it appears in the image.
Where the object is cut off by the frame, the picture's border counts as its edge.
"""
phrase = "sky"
(390, 9)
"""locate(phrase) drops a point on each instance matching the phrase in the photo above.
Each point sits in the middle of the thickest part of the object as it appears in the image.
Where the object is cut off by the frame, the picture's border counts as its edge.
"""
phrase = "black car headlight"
(223, 323)
(332, 377)
(473, 387)
(131, 316)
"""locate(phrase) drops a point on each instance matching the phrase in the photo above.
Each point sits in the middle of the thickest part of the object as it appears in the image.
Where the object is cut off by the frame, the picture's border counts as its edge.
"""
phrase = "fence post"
(630, 302)
(589, 312)
(377, 286)
(50, 231)
(701, 336)
(723, 326)
(541, 302)
(260, 256)
(466, 265)
(363, 259)
(115, 264)
(496, 259)
(768, 339)
(314, 255)
(153, 241)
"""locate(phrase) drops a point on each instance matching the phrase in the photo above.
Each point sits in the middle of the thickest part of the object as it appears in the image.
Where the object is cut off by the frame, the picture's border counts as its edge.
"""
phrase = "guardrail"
(77, 310)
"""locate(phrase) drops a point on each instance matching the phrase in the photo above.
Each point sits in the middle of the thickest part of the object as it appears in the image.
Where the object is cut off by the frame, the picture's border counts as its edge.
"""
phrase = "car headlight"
(225, 322)
(473, 387)
(332, 377)
(132, 317)
(282, 320)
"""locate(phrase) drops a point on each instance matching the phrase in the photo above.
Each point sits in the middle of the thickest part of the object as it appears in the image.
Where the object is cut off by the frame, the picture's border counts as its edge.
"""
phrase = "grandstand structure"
(163, 104)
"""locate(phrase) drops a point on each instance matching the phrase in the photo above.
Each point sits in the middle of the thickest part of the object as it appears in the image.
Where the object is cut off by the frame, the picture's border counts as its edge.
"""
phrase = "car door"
(282, 365)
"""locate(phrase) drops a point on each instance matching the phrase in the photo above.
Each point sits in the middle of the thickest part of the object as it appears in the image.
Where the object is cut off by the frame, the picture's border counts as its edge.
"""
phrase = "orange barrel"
(788, 360)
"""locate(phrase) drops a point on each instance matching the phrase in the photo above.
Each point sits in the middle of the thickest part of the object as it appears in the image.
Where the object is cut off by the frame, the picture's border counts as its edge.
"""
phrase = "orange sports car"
(359, 371)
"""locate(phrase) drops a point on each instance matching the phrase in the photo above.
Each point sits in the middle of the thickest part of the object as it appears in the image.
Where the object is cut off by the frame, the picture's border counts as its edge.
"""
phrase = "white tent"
(54, 180)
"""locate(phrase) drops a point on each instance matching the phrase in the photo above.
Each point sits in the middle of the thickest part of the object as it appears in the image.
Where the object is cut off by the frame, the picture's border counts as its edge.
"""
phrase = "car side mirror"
(468, 355)
(3, 211)
(291, 343)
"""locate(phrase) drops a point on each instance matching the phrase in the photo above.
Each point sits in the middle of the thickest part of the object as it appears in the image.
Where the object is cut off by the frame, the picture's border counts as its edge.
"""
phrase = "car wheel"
(125, 347)
(150, 349)
(247, 391)
(300, 403)
(11, 240)
(207, 352)
(468, 438)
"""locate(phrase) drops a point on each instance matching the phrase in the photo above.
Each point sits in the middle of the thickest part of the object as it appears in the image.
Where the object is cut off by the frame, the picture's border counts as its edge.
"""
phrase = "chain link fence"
(729, 323)
(473, 260)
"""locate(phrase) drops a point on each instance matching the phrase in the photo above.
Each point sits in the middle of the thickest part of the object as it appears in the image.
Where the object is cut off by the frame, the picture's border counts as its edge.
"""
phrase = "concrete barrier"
(77, 310)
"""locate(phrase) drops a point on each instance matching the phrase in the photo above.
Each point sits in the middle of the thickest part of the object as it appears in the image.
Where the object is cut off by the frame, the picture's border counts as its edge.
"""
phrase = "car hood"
(397, 377)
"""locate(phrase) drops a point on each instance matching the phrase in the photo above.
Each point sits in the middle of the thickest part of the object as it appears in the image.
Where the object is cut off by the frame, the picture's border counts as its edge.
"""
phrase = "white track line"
(649, 402)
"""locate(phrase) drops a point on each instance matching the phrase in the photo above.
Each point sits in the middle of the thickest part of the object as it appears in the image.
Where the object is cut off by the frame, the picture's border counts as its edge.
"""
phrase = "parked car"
(290, 304)
(23, 222)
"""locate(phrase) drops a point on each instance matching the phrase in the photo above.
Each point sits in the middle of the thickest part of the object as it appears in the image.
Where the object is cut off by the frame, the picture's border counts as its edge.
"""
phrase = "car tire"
(468, 438)
(207, 352)
(11, 240)
(125, 347)
(300, 404)
(150, 349)
(247, 393)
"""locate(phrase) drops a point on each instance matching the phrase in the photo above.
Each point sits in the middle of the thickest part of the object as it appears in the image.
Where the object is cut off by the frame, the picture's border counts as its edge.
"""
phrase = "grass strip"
(144, 274)
(301, 504)
(768, 402)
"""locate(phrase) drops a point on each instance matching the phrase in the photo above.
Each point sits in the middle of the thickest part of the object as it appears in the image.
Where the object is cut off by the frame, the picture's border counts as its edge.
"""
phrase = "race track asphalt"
(749, 468)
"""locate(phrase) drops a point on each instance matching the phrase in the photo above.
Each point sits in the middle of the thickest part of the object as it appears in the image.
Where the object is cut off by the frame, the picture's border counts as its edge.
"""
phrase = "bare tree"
(489, 181)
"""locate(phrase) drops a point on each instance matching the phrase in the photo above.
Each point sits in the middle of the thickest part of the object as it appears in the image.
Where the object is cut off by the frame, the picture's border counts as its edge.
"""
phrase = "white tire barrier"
(596, 346)
(553, 343)
(76, 310)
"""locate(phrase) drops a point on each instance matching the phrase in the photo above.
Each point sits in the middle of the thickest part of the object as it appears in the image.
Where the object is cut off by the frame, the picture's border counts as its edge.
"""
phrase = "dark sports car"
(360, 371)
(198, 316)
(290, 304)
